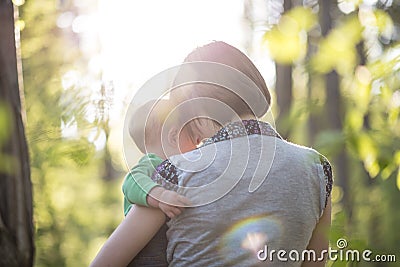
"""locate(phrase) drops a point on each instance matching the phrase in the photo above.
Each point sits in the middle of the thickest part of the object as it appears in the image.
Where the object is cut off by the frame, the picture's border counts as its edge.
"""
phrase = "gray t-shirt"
(255, 194)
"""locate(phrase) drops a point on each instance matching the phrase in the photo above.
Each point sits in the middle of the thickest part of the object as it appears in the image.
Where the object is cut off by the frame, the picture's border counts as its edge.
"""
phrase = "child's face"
(174, 144)
(186, 143)
(178, 141)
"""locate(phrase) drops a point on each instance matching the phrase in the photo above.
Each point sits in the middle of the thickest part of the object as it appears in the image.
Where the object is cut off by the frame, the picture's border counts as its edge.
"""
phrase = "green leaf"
(398, 179)
(384, 23)
(5, 123)
(287, 41)
(338, 49)
(304, 18)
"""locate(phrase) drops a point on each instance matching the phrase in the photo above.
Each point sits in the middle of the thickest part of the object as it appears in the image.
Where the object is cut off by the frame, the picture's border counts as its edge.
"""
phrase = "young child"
(145, 129)
(157, 133)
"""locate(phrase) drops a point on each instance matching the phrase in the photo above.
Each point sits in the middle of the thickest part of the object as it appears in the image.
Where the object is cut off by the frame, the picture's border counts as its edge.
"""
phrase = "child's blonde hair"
(146, 123)
(155, 116)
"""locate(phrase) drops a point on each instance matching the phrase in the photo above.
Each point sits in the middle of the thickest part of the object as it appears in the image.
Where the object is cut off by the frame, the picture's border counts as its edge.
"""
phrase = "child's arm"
(138, 188)
(134, 232)
(170, 202)
(137, 183)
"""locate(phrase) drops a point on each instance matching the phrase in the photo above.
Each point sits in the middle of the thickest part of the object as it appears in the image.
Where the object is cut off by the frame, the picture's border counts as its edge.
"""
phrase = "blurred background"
(333, 68)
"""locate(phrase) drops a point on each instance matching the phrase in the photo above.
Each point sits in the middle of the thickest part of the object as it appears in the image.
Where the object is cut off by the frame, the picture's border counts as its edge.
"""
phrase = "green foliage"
(7, 161)
(377, 102)
(362, 48)
(338, 50)
(287, 41)
(74, 209)
(4, 123)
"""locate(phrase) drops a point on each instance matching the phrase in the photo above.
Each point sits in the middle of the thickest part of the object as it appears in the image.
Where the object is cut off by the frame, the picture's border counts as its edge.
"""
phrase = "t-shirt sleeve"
(137, 183)
(326, 182)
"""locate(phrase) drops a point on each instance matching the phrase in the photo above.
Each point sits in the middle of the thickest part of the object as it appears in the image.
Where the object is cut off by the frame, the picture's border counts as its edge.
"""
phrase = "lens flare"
(246, 237)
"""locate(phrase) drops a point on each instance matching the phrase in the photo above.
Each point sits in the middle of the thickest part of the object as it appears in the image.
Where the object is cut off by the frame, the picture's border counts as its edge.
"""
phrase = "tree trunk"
(334, 108)
(283, 89)
(16, 226)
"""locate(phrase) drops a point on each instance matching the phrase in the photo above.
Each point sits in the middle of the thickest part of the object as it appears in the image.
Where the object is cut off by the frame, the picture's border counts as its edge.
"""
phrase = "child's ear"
(198, 137)
(173, 137)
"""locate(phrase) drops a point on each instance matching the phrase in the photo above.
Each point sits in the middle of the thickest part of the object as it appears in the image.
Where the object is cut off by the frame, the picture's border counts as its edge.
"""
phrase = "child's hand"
(171, 203)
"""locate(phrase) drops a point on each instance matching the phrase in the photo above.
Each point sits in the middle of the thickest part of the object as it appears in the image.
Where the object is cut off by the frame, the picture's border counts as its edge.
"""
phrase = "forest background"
(333, 68)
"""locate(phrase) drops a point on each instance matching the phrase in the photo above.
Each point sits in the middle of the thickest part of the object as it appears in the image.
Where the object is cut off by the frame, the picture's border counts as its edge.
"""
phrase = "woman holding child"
(247, 192)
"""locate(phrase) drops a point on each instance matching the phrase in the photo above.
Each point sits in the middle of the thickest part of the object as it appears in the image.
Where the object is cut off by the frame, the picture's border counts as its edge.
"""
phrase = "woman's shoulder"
(302, 151)
(319, 163)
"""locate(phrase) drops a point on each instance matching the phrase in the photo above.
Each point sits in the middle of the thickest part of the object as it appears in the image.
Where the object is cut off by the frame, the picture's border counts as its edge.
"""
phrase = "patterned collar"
(240, 129)
(166, 174)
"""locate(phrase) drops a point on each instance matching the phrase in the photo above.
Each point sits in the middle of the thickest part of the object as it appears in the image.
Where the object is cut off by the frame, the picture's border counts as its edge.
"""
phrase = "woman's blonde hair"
(225, 55)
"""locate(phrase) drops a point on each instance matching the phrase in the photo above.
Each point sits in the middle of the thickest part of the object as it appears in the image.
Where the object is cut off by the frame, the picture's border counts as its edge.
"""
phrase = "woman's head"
(223, 53)
(202, 118)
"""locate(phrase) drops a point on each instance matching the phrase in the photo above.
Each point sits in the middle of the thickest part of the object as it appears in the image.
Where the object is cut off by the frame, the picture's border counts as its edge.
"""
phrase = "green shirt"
(137, 183)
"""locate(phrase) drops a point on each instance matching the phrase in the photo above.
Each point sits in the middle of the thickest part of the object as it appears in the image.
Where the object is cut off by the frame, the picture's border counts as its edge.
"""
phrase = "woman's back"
(241, 226)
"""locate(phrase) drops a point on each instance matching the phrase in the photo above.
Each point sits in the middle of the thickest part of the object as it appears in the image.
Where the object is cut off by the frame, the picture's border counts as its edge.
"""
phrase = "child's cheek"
(186, 145)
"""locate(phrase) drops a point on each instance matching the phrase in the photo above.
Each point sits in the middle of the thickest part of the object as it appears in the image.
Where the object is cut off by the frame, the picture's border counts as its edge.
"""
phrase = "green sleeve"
(138, 183)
